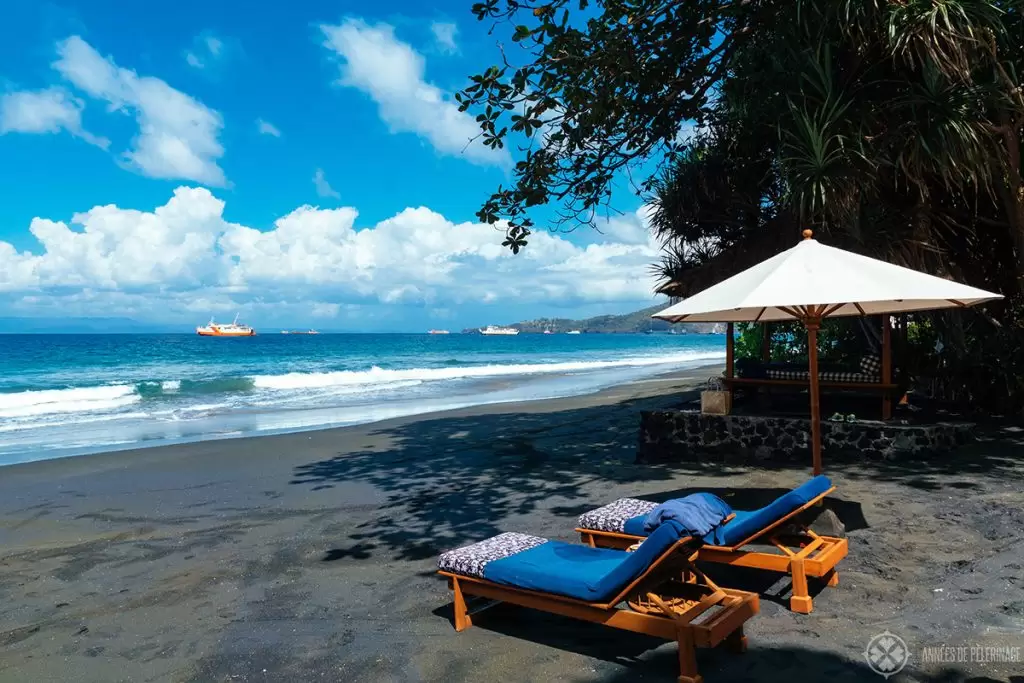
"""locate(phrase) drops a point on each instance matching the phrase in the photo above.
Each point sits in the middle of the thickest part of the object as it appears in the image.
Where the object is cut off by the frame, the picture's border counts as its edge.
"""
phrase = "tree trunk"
(1013, 199)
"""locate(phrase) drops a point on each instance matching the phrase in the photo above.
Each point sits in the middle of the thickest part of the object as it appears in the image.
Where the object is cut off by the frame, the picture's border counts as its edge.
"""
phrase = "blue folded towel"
(697, 513)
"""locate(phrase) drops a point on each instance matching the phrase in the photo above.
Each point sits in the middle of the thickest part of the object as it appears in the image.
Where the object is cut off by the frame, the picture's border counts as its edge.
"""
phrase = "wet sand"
(310, 556)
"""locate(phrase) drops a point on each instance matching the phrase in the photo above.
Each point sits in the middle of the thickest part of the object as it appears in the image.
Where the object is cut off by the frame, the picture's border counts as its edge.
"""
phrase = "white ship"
(574, 332)
(438, 332)
(212, 329)
(495, 330)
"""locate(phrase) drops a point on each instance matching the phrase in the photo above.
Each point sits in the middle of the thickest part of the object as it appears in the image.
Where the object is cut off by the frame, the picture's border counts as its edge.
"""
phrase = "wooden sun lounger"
(672, 600)
(801, 555)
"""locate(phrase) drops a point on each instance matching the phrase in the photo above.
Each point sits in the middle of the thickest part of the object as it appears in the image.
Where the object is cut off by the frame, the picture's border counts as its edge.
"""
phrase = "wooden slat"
(727, 621)
(810, 548)
(625, 619)
(742, 558)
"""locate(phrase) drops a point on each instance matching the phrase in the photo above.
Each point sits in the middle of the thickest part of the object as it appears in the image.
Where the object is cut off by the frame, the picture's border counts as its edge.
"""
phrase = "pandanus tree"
(892, 127)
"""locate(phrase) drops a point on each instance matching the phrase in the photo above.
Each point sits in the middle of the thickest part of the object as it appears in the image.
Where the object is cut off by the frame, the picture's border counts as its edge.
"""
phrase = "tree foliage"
(891, 127)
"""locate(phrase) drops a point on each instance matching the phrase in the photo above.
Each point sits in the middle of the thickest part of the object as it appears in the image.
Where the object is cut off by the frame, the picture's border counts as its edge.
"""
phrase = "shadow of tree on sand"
(453, 480)
(456, 479)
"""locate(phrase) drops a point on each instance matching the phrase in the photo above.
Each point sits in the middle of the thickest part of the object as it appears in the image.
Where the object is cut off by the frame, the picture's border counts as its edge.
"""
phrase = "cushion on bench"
(579, 571)
(825, 376)
(745, 523)
(471, 560)
(613, 516)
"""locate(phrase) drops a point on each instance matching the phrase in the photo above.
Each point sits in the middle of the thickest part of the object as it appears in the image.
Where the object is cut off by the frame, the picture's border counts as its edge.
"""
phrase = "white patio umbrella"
(811, 282)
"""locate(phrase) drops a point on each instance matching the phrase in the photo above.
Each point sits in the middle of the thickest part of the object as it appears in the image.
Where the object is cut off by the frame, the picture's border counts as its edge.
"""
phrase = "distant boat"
(547, 332)
(499, 331)
(299, 332)
(574, 332)
(233, 329)
(438, 332)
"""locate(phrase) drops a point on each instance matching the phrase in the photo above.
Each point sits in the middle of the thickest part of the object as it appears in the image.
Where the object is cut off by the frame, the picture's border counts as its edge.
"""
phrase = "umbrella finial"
(808, 234)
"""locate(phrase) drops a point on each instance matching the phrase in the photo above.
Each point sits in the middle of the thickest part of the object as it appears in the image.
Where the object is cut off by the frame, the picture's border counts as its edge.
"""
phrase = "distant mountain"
(81, 326)
(638, 322)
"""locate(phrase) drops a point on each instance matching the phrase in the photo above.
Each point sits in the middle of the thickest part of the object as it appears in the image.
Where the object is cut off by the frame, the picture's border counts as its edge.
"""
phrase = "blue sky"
(299, 162)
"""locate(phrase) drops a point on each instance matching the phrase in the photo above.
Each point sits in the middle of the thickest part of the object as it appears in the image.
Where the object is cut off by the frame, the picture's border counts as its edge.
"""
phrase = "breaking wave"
(283, 388)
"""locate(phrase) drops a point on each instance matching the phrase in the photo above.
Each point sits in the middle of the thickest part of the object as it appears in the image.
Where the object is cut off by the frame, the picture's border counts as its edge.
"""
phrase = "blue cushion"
(745, 524)
(578, 571)
(634, 526)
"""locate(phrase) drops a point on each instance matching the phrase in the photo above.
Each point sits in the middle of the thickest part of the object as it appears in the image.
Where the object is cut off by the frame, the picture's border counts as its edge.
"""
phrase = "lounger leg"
(687, 657)
(832, 578)
(462, 618)
(801, 600)
(736, 641)
(589, 540)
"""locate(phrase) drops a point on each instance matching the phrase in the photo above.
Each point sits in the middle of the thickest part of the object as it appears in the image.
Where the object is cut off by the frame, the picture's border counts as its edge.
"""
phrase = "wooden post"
(687, 657)
(766, 342)
(729, 349)
(800, 602)
(813, 324)
(886, 367)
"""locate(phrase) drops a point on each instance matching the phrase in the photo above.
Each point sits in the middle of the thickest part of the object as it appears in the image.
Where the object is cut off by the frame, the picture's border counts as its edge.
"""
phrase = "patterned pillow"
(613, 516)
(871, 365)
(470, 560)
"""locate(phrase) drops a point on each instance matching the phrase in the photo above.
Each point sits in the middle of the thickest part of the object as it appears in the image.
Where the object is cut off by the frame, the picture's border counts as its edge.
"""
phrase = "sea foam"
(79, 399)
(377, 375)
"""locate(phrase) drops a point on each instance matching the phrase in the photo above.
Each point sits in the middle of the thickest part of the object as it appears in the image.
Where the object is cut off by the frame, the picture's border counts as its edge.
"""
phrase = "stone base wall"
(681, 435)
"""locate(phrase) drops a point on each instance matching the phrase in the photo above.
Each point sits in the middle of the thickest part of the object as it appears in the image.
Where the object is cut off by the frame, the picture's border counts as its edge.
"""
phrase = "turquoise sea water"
(65, 395)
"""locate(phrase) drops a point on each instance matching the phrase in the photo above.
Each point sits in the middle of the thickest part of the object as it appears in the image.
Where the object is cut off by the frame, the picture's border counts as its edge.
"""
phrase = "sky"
(302, 164)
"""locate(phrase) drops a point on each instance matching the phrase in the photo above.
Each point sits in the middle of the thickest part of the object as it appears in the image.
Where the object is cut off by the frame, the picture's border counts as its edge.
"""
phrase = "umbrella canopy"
(811, 275)
(810, 282)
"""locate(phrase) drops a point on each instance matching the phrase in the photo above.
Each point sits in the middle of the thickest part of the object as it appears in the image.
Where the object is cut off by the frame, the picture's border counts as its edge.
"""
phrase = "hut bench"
(858, 381)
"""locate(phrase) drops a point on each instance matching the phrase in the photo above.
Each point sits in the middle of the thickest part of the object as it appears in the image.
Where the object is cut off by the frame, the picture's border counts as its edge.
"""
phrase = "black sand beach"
(310, 556)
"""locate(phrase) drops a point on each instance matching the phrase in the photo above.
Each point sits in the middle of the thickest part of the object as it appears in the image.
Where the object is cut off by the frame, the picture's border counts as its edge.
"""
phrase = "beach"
(311, 556)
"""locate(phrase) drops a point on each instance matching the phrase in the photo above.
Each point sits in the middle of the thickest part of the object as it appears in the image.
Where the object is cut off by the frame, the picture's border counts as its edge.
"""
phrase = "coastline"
(311, 555)
(668, 380)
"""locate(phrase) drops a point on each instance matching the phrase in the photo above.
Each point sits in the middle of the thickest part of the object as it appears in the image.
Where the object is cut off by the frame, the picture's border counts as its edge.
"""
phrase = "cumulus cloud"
(267, 128)
(444, 36)
(391, 72)
(178, 135)
(323, 188)
(45, 111)
(184, 256)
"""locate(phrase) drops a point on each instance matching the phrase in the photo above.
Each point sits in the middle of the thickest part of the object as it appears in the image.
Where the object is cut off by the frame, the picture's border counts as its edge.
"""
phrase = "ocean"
(66, 395)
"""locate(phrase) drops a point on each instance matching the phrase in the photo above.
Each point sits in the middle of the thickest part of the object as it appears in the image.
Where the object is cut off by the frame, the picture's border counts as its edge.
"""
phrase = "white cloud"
(444, 35)
(206, 50)
(267, 128)
(178, 135)
(184, 257)
(391, 72)
(45, 111)
(323, 188)
(214, 45)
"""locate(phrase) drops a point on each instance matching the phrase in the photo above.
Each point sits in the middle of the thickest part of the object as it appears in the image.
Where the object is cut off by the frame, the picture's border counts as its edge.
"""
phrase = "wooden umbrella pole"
(813, 324)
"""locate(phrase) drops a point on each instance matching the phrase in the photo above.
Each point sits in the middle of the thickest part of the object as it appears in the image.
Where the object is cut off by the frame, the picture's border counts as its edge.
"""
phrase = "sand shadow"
(646, 658)
(450, 481)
